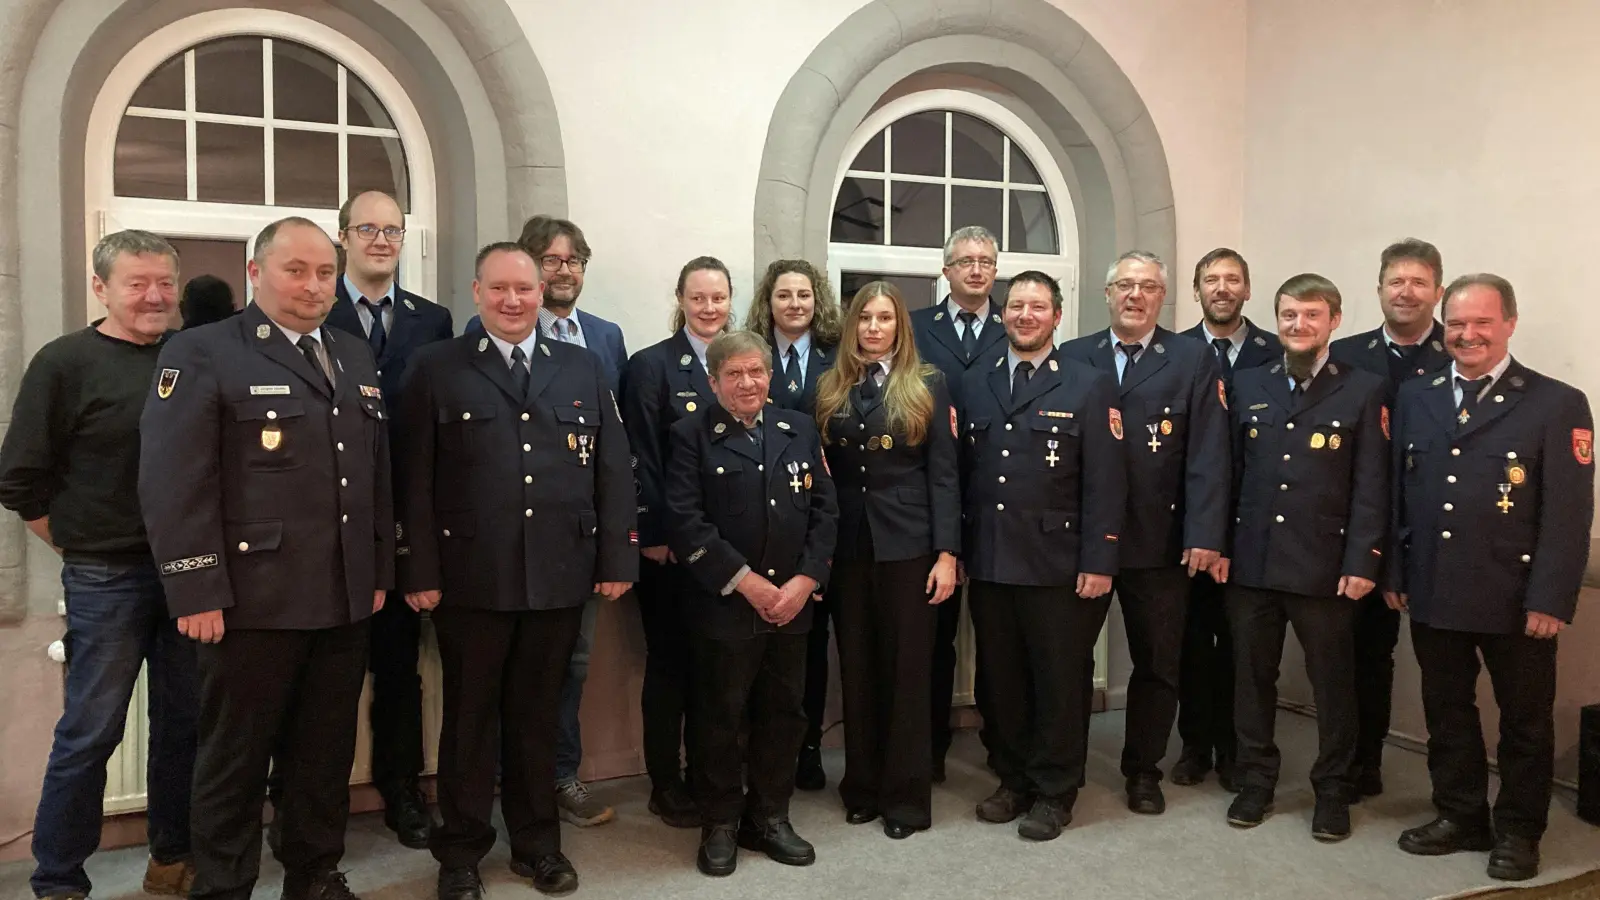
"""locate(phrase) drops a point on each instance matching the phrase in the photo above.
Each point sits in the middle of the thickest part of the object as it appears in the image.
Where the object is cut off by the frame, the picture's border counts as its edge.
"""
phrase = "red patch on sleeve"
(1583, 445)
(953, 431)
(1222, 393)
(1116, 423)
(1383, 421)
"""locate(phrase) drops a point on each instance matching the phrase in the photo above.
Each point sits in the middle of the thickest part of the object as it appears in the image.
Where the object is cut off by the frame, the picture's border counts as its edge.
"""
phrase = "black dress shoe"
(1191, 767)
(1514, 858)
(1144, 795)
(896, 830)
(460, 883)
(1045, 819)
(1250, 808)
(552, 873)
(405, 811)
(328, 885)
(1330, 821)
(1004, 805)
(808, 774)
(860, 815)
(719, 851)
(1444, 835)
(674, 805)
(778, 841)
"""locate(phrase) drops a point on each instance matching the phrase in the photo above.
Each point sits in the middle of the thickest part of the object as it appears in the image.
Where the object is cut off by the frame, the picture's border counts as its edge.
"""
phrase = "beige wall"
(1470, 124)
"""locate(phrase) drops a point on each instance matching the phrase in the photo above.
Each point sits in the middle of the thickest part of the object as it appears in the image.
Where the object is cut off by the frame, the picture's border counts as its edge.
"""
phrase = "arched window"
(223, 122)
(930, 162)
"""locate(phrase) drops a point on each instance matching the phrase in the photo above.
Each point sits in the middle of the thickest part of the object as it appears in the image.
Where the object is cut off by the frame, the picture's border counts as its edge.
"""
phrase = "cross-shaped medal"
(794, 483)
(583, 450)
(1155, 441)
(1464, 417)
(1051, 457)
(1506, 502)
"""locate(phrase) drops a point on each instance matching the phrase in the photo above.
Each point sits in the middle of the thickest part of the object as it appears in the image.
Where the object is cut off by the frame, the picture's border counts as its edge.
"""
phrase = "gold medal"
(1318, 441)
(808, 481)
(271, 437)
(1252, 432)
(874, 442)
(888, 442)
(1166, 426)
(1516, 474)
(572, 442)
(690, 406)
(1333, 441)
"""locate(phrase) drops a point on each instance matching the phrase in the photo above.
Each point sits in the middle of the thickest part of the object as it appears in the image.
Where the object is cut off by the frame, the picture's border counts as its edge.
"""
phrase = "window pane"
(870, 159)
(227, 77)
(379, 164)
(858, 212)
(977, 149)
(1033, 223)
(306, 168)
(918, 142)
(230, 163)
(916, 290)
(362, 104)
(918, 211)
(164, 88)
(974, 206)
(305, 84)
(150, 159)
(1022, 170)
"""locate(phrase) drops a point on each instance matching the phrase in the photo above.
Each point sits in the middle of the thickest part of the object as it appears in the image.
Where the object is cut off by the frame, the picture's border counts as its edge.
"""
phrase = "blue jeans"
(116, 621)
(569, 739)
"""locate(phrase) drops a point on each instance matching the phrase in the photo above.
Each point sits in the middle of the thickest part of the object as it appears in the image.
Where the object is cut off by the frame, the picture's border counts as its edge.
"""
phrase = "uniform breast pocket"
(1331, 434)
(1513, 470)
(798, 478)
(1257, 425)
(464, 430)
(273, 430)
(1054, 440)
(372, 418)
(724, 488)
(1167, 418)
(685, 403)
(977, 431)
(578, 427)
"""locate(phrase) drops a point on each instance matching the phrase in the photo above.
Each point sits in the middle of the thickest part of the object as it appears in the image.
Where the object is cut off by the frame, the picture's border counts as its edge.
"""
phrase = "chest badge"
(795, 484)
(1318, 441)
(1166, 426)
(168, 381)
(1334, 441)
(1052, 458)
(1155, 439)
(271, 438)
(684, 360)
(888, 442)
(691, 406)
(263, 332)
(1517, 474)
(572, 442)
(584, 442)
(1506, 502)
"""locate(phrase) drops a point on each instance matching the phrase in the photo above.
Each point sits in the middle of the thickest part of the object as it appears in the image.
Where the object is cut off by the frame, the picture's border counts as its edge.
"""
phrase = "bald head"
(371, 230)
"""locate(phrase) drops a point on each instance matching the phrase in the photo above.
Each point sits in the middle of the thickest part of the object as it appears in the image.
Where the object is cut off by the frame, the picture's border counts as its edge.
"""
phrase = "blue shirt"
(365, 312)
(802, 349)
(1120, 358)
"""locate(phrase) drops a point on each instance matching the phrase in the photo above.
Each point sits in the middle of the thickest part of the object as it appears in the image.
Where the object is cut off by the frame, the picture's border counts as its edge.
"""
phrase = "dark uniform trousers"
(1154, 606)
(268, 496)
(768, 505)
(1312, 487)
(1044, 496)
(1493, 514)
(665, 698)
(516, 501)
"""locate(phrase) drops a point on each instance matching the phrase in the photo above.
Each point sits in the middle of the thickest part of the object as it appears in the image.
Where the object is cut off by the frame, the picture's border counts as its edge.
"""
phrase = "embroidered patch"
(409, 305)
(189, 564)
(269, 390)
(695, 556)
(954, 431)
(1383, 421)
(1222, 393)
(633, 538)
(1116, 423)
(168, 381)
(1583, 445)
(1256, 406)
(262, 332)
(368, 390)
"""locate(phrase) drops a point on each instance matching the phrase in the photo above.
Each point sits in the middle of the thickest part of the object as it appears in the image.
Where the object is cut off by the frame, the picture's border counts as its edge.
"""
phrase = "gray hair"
(1138, 256)
(736, 343)
(1508, 296)
(134, 243)
(969, 233)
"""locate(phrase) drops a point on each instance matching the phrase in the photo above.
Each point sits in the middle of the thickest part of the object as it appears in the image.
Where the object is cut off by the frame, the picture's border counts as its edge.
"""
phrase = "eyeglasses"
(1144, 287)
(979, 262)
(394, 233)
(552, 264)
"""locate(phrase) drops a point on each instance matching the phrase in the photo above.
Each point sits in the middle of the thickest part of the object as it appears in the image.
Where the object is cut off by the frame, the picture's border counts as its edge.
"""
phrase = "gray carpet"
(1106, 853)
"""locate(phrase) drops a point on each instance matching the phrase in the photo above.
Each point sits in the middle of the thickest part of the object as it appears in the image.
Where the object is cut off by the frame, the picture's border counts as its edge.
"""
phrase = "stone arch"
(1042, 62)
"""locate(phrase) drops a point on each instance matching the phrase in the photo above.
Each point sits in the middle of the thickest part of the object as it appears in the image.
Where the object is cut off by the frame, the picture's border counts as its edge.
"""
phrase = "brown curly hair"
(826, 316)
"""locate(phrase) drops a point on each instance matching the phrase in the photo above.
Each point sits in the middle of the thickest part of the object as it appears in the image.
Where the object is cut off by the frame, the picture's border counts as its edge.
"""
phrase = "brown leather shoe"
(168, 879)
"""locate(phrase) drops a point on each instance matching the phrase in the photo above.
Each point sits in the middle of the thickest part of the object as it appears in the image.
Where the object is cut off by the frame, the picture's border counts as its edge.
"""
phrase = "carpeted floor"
(1107, 852)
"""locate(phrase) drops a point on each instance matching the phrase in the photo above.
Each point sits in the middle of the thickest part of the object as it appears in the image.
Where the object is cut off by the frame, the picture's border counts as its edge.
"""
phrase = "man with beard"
(1494, 491)
(1409, 344)
(1205, 679)
(1311, 464)
(1044, 496)
(1171, 389)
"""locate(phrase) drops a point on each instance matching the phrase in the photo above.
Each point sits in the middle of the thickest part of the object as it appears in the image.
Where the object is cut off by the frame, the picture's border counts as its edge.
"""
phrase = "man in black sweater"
(69, 467)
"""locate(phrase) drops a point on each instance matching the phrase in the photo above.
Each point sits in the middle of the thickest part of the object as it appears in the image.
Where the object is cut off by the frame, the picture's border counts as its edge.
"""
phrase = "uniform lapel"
(732, 434)
(1326, 384)
(401, 324)
(1044, 378)
(1278, 387)
(1440, 399)
(1255, 350)
(775, 436)
(1434, 355)
(1503, 395)
(689, 364)
(486, 356)
(994, 331)
(542, 368)
(271, 341)
(330, 344)
(863, 406)
(1000, 383)
(944, 330)
(1151, 361)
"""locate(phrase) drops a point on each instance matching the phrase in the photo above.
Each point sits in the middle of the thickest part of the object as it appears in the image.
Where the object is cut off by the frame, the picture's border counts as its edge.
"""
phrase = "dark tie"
(1470, 389)
(308, 346)
(1223, 345)
(969, 336)
(791, 370)
(377, 337)
(1403, 361)
(869, 387)
(754, 431)
(1019, 379)
(519, 371)
(1131, 351)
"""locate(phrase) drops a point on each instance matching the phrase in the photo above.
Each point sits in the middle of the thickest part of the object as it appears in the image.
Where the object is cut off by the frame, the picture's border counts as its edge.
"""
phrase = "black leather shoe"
(719, 851)
(405, 811)
(1191, 767)
(897, 831)
(938, 769)
(1004, 805)
(1514, 858)
(860, 815)
(329, 885)
(552, 873)
(1250, 808)
(1330, 821)
(1144, 795)
(460, 883)
(778, 841)
(1228, 775)
(1046, 819)
(674, 805)
(1443, 836)
(808, 774)
(1365, 781)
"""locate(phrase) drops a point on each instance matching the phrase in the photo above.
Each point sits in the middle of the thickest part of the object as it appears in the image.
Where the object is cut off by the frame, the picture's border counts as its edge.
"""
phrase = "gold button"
(1290, 426)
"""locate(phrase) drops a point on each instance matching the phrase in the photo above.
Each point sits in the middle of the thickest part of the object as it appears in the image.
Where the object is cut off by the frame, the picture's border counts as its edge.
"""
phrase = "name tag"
(1055, 414)
(269, 390)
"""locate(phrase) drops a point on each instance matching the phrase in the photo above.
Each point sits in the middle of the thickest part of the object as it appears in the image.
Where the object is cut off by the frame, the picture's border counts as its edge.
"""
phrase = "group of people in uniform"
(304, 484)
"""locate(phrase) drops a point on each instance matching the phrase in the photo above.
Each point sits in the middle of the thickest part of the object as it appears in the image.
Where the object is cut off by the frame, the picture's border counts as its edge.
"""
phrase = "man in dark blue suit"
(1205, 678)
(394, 322)
(563, 256)
(962, 333)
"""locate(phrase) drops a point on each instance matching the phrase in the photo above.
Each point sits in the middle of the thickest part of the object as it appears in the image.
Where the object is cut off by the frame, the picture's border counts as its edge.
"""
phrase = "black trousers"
(668, 664)
(1037, 644)
(1377, 631)
(943, 688)
(502, 677)
(1154, 604)
(816, 699)
(292, 696)
(1522, 671)
(1325, 627)
(1205, 677)
(396, 711)
(886, 641)
(762, 677)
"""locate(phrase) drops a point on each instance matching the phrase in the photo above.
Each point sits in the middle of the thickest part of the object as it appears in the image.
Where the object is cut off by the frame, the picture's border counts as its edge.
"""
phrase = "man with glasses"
(394, 322)
(962, 333)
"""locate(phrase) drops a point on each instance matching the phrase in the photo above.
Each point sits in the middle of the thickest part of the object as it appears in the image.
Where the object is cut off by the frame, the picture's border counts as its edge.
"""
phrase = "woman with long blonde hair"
(889, 436)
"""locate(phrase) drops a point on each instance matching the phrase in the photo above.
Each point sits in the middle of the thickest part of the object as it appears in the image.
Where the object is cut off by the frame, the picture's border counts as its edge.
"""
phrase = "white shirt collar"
(1236, 339)
(1494, 373)
(527, 345)
(1389, 339)
(356, 296)
(1144, 342)
(888, 366)
(295, 336)
(955, 309)
(1013, 359)
(802, 345)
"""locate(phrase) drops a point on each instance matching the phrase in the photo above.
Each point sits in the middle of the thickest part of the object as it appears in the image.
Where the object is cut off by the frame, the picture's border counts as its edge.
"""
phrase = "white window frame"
(241, 222)
(926, 261)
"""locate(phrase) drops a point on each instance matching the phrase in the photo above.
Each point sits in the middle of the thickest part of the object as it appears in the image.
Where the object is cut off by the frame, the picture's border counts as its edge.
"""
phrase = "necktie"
(1470, 389)
(1223, 345)
(1019, 378)
(869, 387)
(969, 335)
(754, 431)
(1131, 352)
(519, 371)
(1298, 392)
(1403, 361)
(791, 370)
(308, 347)
(377, 336)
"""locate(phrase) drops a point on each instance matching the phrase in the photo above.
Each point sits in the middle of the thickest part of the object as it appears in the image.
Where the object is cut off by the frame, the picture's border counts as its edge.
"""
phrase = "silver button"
(1511, 455)
(272, 414)
(1173, 508)
(720, 470)
(1283, 487)
(465, 416)
(336, 410)
(1002, 479)
(1066, 524)
(527, 479)
(447, 532)
(1255, 418)
(772, 573)
(344, 518)
(1455, 451)
(1054, 430)
(524, 417)
(1449, 507)
(1008, 426)
(1005, 452)
(344, 482)
(863, 468)
(1450, 478)
(1445, 535)
(1000, 506)
(527, 514)
(340, 445)
(380, 373)
(1290, 426)
(773, 502)
(1286, 457)
(1336, 423)
(244, 547)
(761, 468)
(526, 447)
(580, 420)
(1167, 410)
(863, 426)
(1280, 518)
(1527, 558)
(1500, 398)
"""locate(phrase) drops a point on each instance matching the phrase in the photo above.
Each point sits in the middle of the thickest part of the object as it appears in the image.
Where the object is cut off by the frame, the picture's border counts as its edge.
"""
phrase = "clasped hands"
(777, 605)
